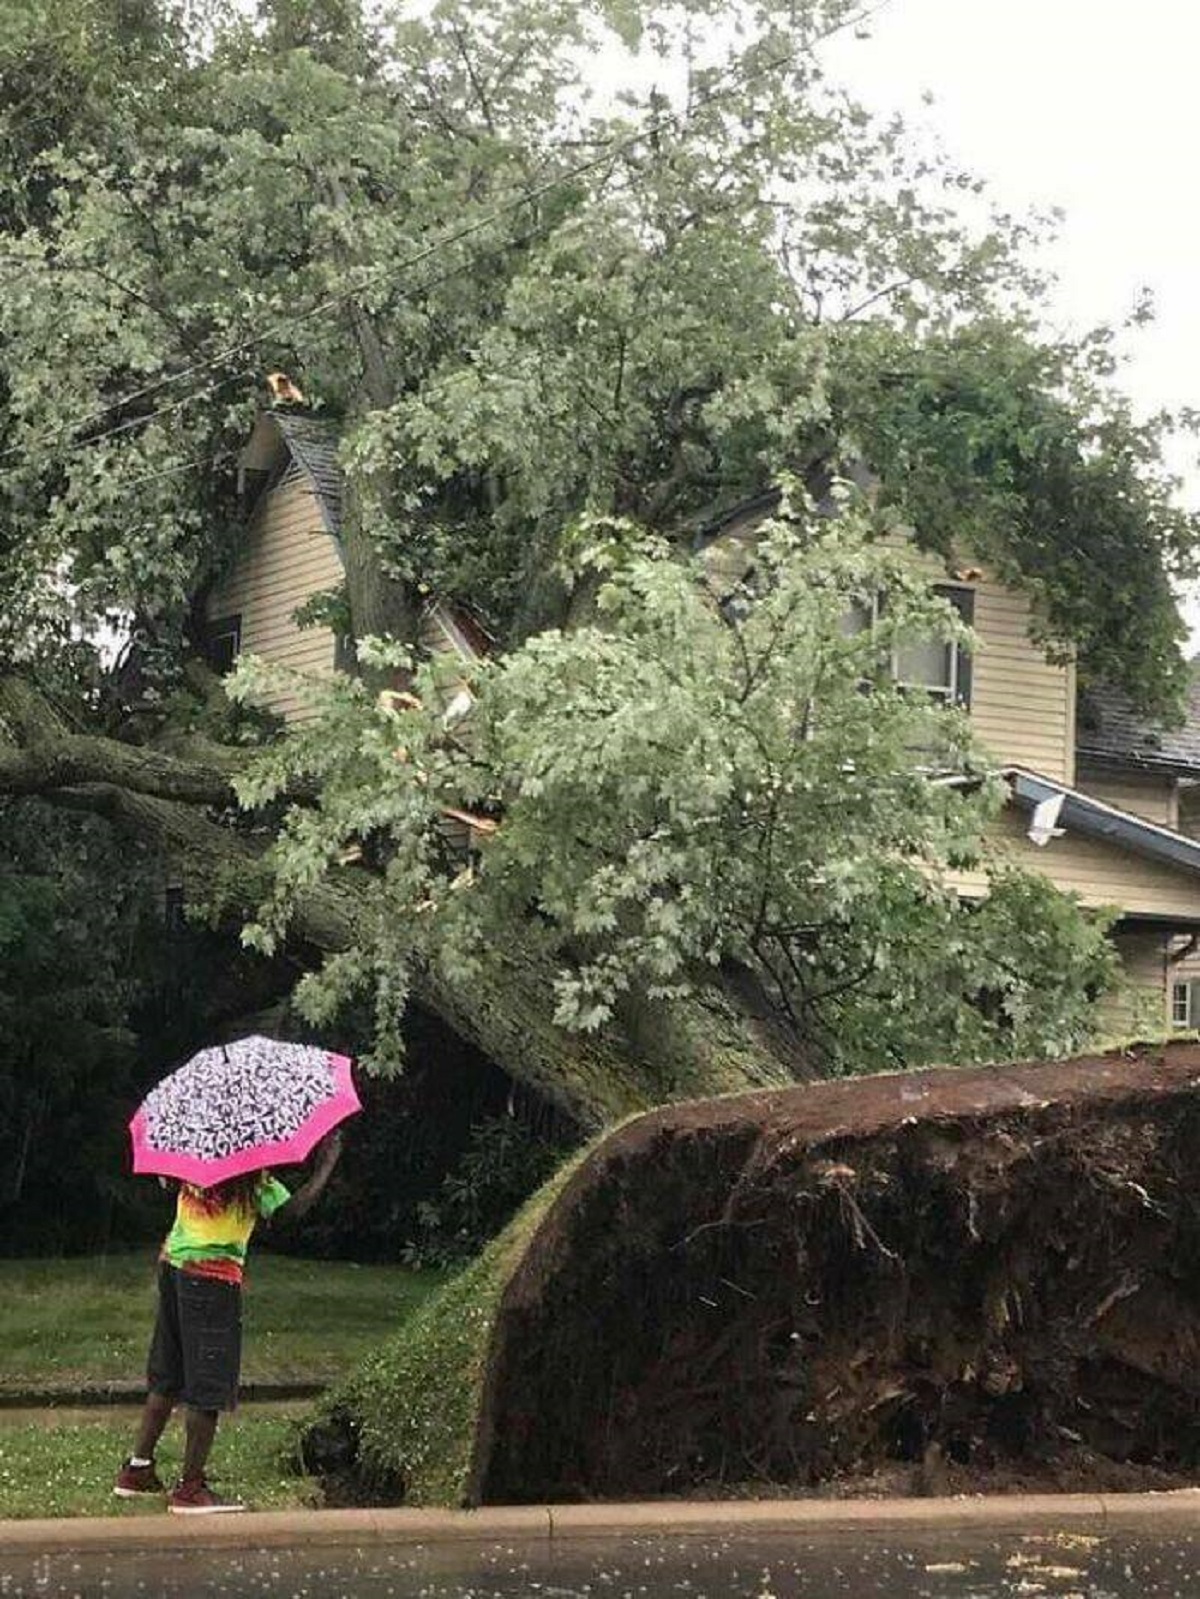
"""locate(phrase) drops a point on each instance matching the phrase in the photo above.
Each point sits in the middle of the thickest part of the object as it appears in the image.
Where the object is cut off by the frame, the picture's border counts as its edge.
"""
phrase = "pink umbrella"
(239, 1108)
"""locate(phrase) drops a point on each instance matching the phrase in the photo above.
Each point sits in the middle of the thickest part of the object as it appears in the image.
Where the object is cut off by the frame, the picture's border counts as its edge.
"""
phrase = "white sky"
(1089, 105)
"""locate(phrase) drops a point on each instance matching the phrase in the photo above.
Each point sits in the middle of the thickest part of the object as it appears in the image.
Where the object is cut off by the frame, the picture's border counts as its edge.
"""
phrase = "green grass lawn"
(58, 1467)
(70, 1324)
(77, 1323)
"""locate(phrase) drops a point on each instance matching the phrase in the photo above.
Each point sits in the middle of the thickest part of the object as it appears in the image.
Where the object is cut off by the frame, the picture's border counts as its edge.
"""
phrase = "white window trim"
(1187, 990)
(946, 693)
(938, 691)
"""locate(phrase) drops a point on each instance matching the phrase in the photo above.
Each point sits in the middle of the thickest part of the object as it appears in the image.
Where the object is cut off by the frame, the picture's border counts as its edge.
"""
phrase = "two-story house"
(1099, 801)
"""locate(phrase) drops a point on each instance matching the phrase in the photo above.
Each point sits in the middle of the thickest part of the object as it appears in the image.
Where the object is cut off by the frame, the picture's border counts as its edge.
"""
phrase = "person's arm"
(309, 1191)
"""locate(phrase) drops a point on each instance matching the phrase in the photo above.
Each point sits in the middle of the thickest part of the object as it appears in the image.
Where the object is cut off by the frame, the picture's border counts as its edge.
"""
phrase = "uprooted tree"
(921, 1282)
(559, 329)
(665, 792)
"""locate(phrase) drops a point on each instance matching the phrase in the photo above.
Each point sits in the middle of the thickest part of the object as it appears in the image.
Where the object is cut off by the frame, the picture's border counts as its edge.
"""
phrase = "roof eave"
(1096, 819)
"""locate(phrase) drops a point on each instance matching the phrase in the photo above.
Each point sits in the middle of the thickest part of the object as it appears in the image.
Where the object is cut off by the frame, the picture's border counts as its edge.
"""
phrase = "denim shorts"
(196, 1351)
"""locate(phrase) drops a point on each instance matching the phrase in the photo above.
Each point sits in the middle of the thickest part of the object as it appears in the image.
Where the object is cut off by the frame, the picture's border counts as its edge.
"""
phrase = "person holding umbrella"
(219, 1125)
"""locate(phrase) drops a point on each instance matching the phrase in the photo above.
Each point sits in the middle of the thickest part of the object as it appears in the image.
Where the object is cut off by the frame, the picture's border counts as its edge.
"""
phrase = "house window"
(1185, 1006)
(929, 664)
(222, 643)
(937, 668)
(345, 653)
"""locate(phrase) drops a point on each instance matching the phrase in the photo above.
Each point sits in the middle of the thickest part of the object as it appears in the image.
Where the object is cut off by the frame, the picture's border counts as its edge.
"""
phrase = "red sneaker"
(135, 1481)
(196, 1498)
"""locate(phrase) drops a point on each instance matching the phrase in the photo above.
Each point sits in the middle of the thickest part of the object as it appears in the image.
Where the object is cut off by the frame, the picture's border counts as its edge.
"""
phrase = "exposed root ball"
(981, 1272)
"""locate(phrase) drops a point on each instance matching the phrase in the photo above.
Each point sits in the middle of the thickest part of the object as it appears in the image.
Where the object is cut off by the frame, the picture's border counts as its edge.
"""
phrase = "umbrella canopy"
(241, 1107)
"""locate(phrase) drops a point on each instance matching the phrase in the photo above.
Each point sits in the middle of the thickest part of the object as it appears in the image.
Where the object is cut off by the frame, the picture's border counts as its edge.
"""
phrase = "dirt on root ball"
(940, 1283)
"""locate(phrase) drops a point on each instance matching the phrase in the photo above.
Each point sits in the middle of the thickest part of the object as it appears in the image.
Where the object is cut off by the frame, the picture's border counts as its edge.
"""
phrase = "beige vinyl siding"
(1182, 963)
(287, 557)
(1022, 705)
(1188, 800)
(1184, 966)
(1098, 872)
(1155, 798)
(1139, 1004)
(1104, 875)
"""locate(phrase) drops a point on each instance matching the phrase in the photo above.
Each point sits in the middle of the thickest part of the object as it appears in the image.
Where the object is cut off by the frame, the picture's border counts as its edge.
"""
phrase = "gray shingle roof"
(1110, 731)
(314, 446)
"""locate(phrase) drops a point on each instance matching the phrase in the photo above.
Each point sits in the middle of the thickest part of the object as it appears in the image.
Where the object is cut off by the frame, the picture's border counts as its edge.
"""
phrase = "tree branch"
(505, 1007)
(74, 759)
(40, 754)
(873, 299)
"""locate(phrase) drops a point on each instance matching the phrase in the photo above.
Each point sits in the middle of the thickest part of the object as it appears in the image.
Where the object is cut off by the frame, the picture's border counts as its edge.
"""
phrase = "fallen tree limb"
(505, 1009)
(67, 760)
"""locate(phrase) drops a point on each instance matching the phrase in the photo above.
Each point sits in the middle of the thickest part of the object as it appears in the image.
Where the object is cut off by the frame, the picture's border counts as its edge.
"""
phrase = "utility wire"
(739, 76)
(497, 252)
(180, 466)
(219, 383)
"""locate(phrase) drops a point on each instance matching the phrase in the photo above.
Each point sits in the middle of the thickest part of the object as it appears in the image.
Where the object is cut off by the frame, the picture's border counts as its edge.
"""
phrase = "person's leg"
(201, 1430)
(156, 1413)
(210, 1318)
(164, 1378)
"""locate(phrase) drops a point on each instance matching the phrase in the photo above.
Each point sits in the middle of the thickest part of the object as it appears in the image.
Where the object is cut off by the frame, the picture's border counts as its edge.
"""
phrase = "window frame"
(959, 689)
(1186, 986)
(222, 627)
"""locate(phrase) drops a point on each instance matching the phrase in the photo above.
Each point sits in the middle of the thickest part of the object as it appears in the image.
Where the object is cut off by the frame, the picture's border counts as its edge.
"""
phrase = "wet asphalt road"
(1069, 1565)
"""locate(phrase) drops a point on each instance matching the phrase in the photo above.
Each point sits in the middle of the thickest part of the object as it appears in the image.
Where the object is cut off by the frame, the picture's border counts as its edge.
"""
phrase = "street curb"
(537, 1523)
(134, 1393)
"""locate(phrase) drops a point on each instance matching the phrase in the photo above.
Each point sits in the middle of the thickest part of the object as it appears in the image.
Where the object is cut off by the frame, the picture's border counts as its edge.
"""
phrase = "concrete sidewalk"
(807, 1517)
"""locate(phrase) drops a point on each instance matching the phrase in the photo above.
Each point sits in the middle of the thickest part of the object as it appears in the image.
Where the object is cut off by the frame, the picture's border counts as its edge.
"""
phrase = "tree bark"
(381, 604)
(703, 1046)
(74, 759)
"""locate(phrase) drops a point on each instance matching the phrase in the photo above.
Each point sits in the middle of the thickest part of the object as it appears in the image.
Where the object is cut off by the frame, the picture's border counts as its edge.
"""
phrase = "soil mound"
(946, 1281)
(989, 1277)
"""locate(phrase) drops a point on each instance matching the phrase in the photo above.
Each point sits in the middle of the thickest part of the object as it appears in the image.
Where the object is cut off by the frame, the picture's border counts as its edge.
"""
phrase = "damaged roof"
(1109, 731)
(313, 444)
(1084, 813)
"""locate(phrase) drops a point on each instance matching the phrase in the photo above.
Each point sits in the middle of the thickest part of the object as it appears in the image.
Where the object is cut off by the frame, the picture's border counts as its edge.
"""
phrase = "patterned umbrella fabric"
(241, 1107)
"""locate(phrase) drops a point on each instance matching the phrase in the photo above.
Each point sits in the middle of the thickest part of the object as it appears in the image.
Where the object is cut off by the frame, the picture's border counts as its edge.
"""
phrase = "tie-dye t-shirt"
(212, 1229)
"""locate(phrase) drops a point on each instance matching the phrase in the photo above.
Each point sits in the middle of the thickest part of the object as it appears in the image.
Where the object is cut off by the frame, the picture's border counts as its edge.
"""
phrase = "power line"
(423, 287)
(224, 455)
(180, 466)
(144, 421)
(220, 383)
(739, 75)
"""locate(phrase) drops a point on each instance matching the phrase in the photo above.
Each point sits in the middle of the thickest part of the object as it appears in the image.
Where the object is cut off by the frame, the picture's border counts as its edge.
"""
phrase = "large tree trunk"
(701, 1047)
(381, 603)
